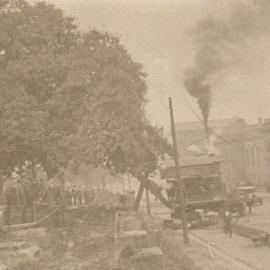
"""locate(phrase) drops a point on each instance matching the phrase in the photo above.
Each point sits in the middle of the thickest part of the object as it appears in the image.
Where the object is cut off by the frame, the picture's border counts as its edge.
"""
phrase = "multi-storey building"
(191, 136)
(231, 148)
(227, 137)
(257, 153)
(246, 155)
(244, 149)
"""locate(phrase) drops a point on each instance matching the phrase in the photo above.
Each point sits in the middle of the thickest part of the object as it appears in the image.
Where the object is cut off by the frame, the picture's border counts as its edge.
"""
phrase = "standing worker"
(249, 205)
(228, 223)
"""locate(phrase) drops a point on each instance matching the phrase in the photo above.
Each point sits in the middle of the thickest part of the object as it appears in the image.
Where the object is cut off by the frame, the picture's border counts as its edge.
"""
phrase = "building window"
(258, 156)
(248, 158)
(252, 157)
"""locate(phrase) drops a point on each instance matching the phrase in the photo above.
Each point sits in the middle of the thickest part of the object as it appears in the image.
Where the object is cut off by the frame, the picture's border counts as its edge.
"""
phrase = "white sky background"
(155, 32)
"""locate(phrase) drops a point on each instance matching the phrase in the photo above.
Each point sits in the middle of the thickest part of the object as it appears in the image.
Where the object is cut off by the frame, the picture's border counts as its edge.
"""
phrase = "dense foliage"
(67, 95)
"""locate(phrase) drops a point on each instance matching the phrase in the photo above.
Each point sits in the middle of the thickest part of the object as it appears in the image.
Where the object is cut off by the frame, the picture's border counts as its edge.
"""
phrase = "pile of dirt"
(176, 253)
(85, 243)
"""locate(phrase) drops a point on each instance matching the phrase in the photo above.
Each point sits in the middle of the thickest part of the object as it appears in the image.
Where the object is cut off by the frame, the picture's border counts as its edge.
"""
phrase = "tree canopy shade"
(70, 95)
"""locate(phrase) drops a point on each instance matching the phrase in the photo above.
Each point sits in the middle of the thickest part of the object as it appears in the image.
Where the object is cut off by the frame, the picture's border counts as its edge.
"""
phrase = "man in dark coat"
(228, 223)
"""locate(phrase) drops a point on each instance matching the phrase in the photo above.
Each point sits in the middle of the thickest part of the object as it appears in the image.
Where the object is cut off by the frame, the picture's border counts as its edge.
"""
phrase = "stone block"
(167, 222)
(136, 239)
(245, 230)
(3, 266)
(145, 258)
(28, 233)
(11, 245)
(31, 253)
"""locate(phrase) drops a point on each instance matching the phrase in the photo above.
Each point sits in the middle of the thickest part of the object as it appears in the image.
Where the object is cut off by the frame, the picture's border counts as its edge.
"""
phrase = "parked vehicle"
(248, 194)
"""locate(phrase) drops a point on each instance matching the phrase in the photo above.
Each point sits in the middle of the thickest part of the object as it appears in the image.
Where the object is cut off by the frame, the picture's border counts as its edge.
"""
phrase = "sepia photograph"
(134, 135)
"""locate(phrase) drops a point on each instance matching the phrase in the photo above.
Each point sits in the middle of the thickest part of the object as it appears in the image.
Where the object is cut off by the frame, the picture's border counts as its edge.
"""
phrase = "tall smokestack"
(211, 150)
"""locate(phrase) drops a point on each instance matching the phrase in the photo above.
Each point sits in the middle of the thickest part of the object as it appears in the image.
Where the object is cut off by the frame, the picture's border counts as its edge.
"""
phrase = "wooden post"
(129, 183)
(148, 205)
(103, 184)
(138, 198)
(181, 184)
(123, 186)
(35, 211)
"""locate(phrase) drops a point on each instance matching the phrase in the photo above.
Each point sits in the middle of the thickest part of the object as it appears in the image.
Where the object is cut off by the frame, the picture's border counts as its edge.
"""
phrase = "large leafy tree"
(34, 41)
(70, 95)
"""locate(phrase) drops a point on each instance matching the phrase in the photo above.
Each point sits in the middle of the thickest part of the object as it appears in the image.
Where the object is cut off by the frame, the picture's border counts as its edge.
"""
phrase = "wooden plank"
(11, 245)
(258, 236)
(29, 225)
(149, 252)
(136, 233)
(148, 206)
(138, 198)
(20, 226)
(155, 190)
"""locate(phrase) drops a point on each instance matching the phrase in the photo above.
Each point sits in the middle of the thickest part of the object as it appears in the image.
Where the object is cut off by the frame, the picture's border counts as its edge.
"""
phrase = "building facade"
(257, 147)
(244, 150)
(246, 156)
(227, 139)
(201, 175)
(233, 162)
(191, 136)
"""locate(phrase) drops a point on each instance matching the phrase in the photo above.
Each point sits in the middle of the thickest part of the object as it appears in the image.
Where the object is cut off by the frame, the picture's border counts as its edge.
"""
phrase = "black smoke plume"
(210, 37)
(216, 41)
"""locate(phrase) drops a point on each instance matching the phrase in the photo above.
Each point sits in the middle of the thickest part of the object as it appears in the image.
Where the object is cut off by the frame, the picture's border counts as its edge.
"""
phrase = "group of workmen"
(79, 195)
(75, 194)
(25, 172)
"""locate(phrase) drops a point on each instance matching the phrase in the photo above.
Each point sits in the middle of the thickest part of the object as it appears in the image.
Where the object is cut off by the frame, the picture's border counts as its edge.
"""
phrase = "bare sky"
(156, 33)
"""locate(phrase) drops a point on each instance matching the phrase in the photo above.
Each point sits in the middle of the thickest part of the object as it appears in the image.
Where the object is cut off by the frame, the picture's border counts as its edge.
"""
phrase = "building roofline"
(212, 123)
